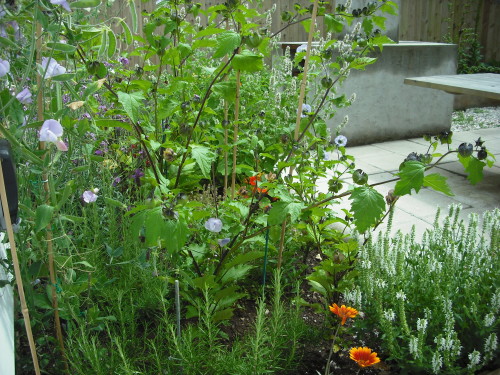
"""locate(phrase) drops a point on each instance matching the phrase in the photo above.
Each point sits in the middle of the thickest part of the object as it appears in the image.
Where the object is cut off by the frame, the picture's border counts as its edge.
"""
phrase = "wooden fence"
(420, 20)
(433, 20)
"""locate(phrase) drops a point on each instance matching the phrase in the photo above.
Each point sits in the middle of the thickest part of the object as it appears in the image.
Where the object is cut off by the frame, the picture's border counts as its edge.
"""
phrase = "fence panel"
(433, 20)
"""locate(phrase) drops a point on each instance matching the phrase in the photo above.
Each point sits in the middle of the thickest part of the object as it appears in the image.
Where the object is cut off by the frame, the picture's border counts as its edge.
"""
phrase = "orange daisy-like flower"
(343, 312)
(364, 357)
(253, 180)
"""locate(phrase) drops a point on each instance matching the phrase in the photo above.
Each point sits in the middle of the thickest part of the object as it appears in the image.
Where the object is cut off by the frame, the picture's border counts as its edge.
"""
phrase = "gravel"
(475, 118)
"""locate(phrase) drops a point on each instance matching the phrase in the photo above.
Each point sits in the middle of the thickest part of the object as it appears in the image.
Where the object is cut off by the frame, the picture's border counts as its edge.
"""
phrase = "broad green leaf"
(306, 24)
(127, 32)
(361, 62)
(438, 183)
(209, 31)
(280, 211)
(412, 177)
(390, 8)
(379, 21)
(236, 273)
(132, 102)
(155, 227)
(80, 4)
(175, 235)
(367, 25)
(227, 90)
(247, 61)
(244, 258)
(367, 206)
(204, 158)
(108, 123)
(62, 47)
(227, 42)
(474, 167)
(43, 216)
(333, 24)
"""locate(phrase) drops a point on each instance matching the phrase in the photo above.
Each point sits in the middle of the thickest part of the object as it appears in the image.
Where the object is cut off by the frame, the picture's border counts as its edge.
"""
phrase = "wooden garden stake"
(178, 309)
(226, 135)
(17, 272)
(299, 112)
(46, 187)
(235, 134)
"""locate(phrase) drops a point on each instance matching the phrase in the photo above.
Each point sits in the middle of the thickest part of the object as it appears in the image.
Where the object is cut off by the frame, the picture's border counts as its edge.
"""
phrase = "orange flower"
(253, 180)
(364, 357)
(343, 312)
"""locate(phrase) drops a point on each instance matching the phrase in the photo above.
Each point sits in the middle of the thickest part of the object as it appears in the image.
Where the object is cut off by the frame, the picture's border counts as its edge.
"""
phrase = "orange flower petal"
(363, 356)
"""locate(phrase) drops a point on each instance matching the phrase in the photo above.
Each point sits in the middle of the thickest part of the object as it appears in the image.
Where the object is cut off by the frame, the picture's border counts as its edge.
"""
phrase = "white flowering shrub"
(438, 309)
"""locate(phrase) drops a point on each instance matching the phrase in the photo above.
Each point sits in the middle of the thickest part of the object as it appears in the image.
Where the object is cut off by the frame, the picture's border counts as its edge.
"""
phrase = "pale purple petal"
(51, 67)
(89, 196)
(62, 3)
(213, 225)
(223, 241)
(24, 96)
(4, 67)
(340, 141)
(61, 146)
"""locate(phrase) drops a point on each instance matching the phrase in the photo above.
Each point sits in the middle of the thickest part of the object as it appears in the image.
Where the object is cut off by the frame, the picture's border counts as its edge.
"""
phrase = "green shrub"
(435, 303)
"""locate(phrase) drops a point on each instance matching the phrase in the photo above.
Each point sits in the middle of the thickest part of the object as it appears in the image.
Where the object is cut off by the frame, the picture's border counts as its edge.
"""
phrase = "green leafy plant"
(435, 303)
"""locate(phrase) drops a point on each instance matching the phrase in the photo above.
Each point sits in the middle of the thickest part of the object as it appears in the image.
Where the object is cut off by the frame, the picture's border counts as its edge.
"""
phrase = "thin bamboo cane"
(226, 136)
(235, 133)
(45, 179)
(17, 272)
(302, 94)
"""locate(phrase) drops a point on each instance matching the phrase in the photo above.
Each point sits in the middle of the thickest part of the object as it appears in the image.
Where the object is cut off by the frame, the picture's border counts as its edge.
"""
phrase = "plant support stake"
(178, 309)
(17, 272)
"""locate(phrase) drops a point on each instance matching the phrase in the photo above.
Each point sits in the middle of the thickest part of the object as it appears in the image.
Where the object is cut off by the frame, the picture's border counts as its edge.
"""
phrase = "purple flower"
(116, 181)
(4, 67)
(137, 176)
(66, 98)
(15, 27)
(340, 141)
(52, 132)
(306, 108)
(213, 225)
(90, 196)
(99, 152)
(62, 3)
(24, 96)
(223, 241)
(51, 68)
(124, 61)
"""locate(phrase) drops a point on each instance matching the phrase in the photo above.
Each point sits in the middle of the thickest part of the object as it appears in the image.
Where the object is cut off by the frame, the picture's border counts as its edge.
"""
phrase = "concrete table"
(481, 84)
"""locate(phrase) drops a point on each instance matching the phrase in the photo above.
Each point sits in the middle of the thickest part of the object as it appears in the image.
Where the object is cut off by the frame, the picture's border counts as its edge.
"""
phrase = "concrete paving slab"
(380, 159)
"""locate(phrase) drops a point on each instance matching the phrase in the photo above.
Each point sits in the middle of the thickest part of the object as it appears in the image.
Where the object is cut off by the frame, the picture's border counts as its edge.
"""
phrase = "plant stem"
(202, 106)
(329, 361)
(45, 179)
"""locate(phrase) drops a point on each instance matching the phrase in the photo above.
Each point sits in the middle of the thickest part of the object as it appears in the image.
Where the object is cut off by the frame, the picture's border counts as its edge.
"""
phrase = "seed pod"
(359, 177)
(465, 149)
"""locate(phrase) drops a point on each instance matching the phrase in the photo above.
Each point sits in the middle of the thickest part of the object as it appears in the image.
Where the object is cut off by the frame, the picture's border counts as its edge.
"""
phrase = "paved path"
(381, 161)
